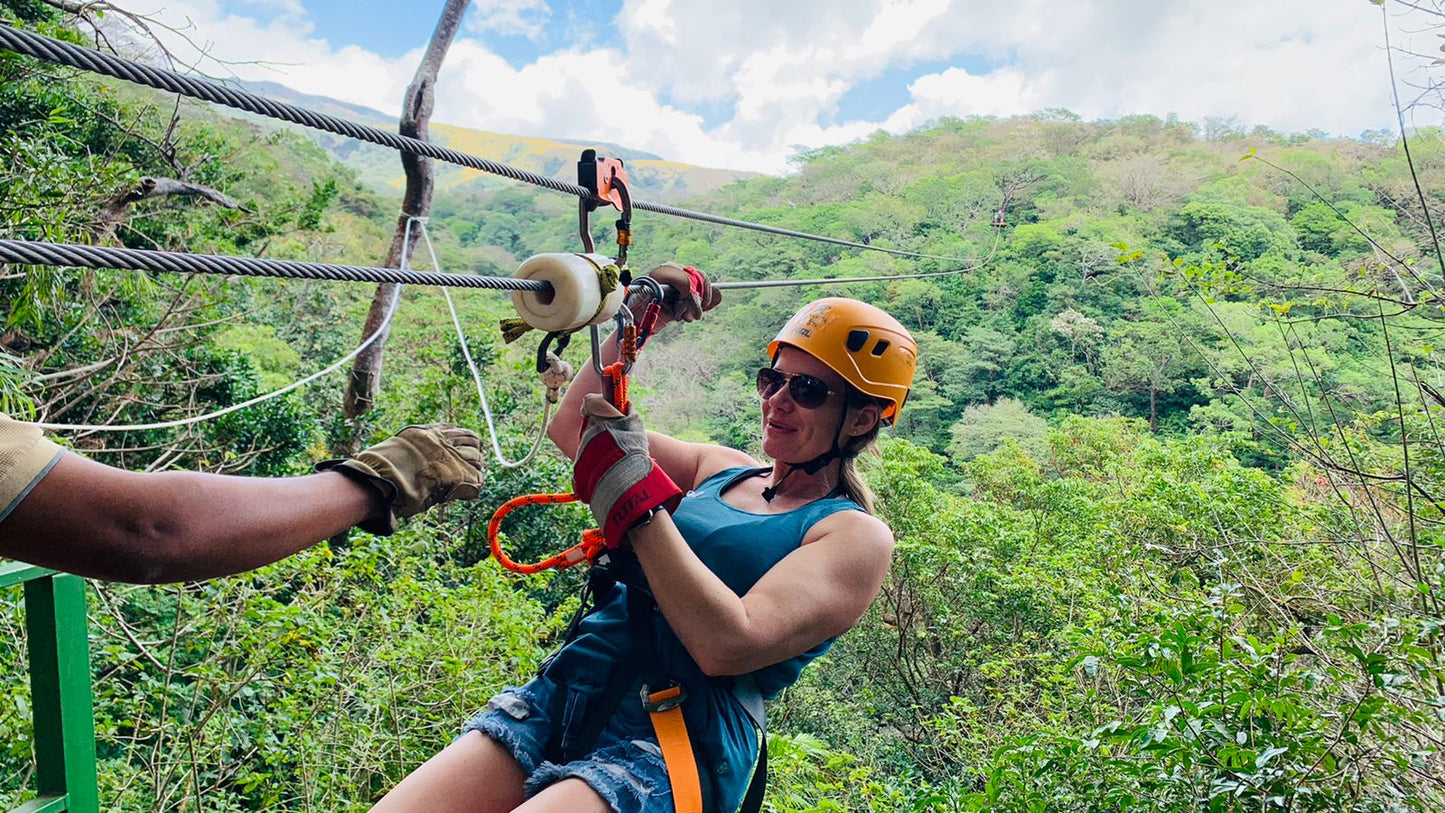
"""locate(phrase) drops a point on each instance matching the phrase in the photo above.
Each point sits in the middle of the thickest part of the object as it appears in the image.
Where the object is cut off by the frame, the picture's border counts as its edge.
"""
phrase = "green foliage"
(1128, 623)
(319, 681)
(1159, 542)
(1243, 232)
(981, 429)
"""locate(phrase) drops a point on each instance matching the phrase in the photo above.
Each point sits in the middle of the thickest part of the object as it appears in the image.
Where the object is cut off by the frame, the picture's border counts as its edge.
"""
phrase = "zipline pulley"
(606, 178)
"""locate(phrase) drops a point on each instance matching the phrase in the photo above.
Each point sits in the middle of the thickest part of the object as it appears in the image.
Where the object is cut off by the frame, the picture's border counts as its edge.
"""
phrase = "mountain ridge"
(653, 177)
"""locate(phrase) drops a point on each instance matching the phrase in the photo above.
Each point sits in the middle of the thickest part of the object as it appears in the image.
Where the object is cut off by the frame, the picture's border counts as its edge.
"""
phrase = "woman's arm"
(686, 463)
(815, 593)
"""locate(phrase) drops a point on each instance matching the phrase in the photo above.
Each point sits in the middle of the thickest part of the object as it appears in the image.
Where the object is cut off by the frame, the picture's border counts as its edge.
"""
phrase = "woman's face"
(792, 434)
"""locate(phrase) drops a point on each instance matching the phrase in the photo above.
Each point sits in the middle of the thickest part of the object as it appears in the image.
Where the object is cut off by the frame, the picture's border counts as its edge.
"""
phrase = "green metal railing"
(60, 698)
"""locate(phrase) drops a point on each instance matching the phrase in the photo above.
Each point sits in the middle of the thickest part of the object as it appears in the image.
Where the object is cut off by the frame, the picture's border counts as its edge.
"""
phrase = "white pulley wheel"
(575, 296)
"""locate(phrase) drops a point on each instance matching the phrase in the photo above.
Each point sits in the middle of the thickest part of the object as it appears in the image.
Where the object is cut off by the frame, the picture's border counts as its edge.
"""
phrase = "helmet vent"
(856, 340)
(881, 347)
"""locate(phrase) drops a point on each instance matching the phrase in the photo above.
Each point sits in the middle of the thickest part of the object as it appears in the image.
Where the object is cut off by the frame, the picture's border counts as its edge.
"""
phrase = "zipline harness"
(662, 697)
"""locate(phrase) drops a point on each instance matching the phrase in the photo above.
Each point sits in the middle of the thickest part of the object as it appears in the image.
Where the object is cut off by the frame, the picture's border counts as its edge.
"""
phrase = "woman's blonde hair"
(850, 479)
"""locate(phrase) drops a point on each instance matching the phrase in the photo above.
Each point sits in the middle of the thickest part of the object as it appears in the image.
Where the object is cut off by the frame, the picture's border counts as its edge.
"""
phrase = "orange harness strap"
(665, 709)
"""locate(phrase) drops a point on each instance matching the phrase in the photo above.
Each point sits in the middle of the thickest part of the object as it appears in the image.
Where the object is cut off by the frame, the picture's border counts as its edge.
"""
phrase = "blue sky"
(391, 29)
(744, 83)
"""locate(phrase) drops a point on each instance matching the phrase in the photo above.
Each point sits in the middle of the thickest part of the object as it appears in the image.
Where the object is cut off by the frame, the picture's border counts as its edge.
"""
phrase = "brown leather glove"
(418, 467)
(691, 293)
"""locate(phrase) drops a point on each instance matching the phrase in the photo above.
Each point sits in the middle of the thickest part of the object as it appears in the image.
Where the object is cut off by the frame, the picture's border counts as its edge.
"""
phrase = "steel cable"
(35, 252)
(798, 283)
(31, 252)
(64, 53)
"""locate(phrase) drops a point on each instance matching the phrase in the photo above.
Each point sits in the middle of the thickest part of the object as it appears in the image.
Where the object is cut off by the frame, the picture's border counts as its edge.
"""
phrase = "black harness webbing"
(745, 689)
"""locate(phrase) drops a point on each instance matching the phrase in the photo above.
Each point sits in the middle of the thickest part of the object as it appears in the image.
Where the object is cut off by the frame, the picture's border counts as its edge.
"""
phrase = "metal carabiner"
(595, 334)
(653, 287)
(624, 223)
(584, 228)
(560, 338)
(649, 316)
(623, 318)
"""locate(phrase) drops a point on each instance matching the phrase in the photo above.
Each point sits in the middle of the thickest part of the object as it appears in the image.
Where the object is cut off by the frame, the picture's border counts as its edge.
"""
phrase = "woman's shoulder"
(716, 460)
(850, 522)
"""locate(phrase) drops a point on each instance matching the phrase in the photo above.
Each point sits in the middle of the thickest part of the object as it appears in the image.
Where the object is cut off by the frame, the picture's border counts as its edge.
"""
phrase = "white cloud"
(956, 92)
(780, 70)
(282, 50)
(527, 18)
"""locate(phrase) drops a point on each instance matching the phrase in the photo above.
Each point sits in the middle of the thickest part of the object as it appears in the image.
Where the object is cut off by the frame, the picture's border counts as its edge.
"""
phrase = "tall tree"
(365, 380)
(1144, 358)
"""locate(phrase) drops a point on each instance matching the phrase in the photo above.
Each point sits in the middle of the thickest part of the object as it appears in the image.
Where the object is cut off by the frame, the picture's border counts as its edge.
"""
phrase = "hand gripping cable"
(614, 378)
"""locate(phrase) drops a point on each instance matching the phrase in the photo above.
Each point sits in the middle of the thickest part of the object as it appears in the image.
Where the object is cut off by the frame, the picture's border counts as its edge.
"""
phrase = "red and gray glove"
(693, 294)
(615, 475)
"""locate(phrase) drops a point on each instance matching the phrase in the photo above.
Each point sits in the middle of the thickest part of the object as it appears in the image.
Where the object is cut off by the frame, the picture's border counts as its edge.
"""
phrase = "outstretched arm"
(102, 522)
(98, 521)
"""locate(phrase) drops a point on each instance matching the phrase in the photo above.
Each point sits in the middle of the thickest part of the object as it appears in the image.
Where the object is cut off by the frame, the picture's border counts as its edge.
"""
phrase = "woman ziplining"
(709, 602)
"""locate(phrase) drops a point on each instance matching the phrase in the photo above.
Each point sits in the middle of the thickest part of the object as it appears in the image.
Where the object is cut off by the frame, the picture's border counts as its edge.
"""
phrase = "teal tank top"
(739, 546)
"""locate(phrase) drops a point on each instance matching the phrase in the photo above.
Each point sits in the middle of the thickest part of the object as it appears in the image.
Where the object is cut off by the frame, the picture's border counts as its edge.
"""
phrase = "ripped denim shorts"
(627, 772)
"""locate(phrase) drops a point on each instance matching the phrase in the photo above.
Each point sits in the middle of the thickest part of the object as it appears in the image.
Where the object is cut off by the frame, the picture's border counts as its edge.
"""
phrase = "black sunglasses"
(807, 391)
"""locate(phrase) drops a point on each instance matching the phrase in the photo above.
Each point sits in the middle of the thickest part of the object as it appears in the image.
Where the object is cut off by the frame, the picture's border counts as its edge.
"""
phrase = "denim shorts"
(628, 772)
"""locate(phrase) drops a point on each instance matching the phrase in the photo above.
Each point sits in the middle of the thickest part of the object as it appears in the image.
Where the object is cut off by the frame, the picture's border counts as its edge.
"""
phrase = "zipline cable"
(798, 283)
(502, 460)
(75, 255)
(64, 53)
(66, 254)
(34, 252)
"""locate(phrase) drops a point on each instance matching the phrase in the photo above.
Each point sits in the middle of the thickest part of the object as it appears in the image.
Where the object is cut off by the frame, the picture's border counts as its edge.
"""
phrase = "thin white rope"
(472, 366)
(195, 419)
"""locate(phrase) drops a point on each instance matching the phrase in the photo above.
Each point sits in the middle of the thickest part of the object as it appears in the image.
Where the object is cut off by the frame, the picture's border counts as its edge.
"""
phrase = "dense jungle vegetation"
(1168, 493)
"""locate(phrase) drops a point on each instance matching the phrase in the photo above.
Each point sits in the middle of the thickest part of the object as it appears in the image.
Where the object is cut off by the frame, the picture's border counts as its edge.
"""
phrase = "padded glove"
(417, 468)
(694, 294)
(615, 475)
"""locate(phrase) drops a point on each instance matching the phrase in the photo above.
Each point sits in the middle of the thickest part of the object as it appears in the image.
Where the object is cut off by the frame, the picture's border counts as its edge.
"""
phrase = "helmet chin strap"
(812, 467)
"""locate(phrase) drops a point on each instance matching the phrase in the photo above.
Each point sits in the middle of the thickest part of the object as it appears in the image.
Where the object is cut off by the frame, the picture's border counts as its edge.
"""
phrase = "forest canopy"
(1167, 491)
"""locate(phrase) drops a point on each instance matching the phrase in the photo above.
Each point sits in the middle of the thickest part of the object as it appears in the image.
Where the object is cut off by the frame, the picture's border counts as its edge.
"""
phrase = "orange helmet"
(858, 341)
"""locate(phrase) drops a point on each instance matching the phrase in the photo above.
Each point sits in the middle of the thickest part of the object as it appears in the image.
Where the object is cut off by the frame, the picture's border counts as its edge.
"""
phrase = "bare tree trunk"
(365, 379)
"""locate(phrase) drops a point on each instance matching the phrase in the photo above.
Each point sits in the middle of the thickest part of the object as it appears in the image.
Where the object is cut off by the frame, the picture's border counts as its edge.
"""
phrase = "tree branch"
(113, 214)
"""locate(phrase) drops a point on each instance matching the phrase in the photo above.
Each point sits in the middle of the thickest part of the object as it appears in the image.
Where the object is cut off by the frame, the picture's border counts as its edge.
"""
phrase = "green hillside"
(1167, 492)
